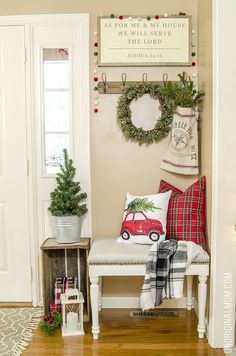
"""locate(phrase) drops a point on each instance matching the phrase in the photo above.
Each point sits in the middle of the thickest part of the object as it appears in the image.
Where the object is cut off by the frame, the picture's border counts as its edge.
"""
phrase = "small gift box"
(63, 283)
(55, 308)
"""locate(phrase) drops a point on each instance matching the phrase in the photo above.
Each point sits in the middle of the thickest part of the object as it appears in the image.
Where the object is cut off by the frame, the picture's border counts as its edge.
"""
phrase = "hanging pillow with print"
(182, 151)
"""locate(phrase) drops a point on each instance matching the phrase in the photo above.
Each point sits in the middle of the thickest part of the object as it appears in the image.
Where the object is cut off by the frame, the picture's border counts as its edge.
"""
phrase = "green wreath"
(138, 134)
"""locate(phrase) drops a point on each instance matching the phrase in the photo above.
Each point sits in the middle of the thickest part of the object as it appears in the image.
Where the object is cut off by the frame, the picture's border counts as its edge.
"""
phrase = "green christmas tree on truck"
(138, 221)
(66, 202)
(141, 205)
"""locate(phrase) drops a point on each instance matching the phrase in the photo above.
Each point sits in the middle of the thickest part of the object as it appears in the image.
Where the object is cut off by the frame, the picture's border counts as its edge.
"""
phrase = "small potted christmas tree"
(66, 203)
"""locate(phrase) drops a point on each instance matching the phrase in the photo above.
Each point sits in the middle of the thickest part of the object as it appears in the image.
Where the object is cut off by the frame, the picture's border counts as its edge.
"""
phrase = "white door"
(15, 270)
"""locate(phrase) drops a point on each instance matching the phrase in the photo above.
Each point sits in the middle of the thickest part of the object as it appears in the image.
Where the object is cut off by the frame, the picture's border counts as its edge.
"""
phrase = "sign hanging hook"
(165, 79)
(144, 77)
(104, 80)
(123, 79)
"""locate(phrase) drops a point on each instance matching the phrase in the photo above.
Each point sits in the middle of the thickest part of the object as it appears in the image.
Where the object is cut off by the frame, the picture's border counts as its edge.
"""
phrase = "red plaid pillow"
(186, 212)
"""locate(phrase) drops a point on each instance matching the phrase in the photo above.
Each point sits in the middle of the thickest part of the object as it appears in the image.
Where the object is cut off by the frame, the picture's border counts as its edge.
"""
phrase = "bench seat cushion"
(113, 253)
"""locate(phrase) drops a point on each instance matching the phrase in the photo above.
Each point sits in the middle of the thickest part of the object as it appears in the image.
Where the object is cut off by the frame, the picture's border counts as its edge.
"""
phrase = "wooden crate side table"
(70, 260)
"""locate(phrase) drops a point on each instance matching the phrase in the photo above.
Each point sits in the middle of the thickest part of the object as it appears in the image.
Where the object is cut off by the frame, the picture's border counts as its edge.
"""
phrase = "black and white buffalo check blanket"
(165, 269)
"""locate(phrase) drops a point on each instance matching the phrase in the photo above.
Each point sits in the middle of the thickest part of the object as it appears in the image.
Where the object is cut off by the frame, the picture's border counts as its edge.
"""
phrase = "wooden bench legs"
(96, 305)
(94, 294)
(100, 294)
(202, 293)
(189, 301)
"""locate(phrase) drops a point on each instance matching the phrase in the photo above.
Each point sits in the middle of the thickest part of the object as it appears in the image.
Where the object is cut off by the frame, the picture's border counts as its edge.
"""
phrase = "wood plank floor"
(124, 336)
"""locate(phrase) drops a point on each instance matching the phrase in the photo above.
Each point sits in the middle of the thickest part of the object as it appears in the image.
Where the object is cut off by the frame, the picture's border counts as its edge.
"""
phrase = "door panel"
(15, 271)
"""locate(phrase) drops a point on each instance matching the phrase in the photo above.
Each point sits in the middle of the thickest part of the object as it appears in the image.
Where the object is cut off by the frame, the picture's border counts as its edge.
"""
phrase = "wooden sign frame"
(141, 42)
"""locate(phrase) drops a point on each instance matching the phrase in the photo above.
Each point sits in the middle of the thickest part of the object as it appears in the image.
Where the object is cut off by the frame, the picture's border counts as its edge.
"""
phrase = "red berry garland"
(95, 44)
(95, 79)
(194, 64)
(95, 110)
(157, 17)
(49, 323)
(121, 17)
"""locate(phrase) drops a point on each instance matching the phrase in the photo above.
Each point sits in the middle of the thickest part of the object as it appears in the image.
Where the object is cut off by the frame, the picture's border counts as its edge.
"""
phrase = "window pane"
(56, 111)
(139, 216)
(129, 217)
(56, 106)
(56, 74)
(54, 145)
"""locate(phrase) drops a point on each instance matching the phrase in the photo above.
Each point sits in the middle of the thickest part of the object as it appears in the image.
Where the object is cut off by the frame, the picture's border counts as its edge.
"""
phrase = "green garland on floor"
(50, 323)
(138, 134)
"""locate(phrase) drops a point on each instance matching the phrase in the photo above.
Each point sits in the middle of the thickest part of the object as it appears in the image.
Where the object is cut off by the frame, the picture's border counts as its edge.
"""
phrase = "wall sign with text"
(143, 42)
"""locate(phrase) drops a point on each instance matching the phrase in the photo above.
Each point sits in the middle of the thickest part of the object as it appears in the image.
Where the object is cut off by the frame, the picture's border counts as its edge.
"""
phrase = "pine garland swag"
(162, 126)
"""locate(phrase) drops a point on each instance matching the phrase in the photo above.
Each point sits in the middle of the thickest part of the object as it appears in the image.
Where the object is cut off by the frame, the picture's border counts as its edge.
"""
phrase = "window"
(56, 107)
(139, 216)
(129, 217)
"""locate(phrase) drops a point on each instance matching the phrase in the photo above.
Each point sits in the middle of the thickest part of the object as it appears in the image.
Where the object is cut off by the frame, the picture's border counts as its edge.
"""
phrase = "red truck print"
(137, 223)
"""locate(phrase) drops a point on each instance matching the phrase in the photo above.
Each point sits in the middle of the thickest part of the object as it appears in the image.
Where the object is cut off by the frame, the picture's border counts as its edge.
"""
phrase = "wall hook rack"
(106, 87)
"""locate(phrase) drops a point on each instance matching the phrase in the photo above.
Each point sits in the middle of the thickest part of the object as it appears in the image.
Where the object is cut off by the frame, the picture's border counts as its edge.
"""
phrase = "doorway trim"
(27, 20)
(223, 242)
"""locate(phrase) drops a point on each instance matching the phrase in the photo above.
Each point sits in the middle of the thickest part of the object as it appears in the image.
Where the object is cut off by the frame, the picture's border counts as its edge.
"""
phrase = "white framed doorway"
(51, 31)
(223, 249)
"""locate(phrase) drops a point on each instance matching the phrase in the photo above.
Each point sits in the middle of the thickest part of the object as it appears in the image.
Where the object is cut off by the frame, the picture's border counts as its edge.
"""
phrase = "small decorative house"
(72, 312)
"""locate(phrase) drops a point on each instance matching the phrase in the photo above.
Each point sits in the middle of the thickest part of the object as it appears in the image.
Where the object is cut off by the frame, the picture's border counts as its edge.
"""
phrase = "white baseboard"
(133, 302)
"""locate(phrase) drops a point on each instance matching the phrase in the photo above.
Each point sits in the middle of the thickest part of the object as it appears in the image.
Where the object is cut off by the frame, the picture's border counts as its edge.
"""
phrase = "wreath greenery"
(138, 134)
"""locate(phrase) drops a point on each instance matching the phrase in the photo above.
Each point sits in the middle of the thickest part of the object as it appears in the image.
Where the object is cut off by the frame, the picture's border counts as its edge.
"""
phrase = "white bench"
(109, 258)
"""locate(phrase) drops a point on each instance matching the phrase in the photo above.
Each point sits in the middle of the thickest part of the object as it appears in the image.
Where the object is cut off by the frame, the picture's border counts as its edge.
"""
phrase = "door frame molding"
(223, 175)
(81, 19)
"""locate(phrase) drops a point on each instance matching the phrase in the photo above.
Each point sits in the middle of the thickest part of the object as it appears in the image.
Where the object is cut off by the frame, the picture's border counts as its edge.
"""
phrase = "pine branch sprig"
(50, 323)
(183, 93)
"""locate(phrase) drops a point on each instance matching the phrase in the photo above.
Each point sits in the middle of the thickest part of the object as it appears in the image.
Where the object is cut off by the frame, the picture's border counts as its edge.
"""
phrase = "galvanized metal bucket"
(68, 228)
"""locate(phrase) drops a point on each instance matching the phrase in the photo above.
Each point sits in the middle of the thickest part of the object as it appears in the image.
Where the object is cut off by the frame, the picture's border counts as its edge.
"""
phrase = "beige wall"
(119, 166)
(116, 165)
